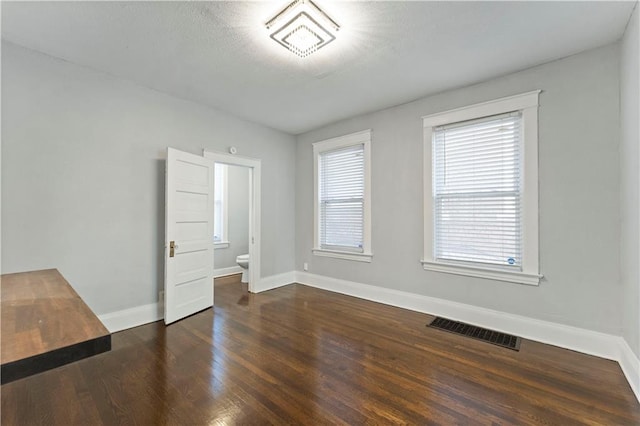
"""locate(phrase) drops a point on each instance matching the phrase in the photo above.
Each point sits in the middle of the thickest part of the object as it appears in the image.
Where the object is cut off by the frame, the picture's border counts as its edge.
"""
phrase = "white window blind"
(477, 191)
(219, 190)
(341, 193)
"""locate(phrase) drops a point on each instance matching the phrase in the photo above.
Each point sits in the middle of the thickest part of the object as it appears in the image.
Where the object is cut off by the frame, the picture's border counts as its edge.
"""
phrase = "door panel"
(189, 224)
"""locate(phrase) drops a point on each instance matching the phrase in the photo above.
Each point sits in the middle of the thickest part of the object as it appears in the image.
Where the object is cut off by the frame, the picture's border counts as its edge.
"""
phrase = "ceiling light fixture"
(302, 27)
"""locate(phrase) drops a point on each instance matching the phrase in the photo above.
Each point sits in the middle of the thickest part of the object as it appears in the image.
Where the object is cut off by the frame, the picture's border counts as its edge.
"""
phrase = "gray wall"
(83, 176)
(579, 196)
(238, 218)
(630, 184)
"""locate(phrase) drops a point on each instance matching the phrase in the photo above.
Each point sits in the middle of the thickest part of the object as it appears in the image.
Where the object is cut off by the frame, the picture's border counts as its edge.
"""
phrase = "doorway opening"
(236, 166)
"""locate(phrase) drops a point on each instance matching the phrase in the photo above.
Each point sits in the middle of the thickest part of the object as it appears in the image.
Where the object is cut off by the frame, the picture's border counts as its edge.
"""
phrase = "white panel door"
(188, 272)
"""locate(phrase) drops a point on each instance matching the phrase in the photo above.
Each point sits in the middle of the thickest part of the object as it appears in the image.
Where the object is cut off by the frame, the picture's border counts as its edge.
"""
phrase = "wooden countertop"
(41, 312)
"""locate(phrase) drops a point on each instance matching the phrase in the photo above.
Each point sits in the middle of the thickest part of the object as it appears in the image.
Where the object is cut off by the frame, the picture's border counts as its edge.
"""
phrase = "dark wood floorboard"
(299, 355)
(233, 278)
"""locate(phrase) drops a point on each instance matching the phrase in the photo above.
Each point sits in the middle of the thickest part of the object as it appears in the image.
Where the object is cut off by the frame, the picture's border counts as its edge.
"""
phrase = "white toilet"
(243, 262)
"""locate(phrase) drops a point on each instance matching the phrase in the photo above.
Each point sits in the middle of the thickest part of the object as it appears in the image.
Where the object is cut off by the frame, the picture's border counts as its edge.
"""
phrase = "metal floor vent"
(494, 337)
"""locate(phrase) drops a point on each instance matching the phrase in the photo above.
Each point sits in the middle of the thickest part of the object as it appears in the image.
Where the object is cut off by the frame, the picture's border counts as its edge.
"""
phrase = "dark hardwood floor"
(299, 355)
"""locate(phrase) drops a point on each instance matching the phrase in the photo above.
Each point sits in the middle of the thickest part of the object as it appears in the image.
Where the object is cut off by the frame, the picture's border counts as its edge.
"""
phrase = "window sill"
(221, 245)
(491, 274)
(345, 255)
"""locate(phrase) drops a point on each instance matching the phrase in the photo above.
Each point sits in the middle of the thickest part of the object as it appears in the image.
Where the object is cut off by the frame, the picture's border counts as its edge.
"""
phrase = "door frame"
(255, 167)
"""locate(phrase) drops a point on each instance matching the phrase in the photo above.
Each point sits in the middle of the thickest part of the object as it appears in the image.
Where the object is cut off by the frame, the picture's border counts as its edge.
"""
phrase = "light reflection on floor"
(218, 362)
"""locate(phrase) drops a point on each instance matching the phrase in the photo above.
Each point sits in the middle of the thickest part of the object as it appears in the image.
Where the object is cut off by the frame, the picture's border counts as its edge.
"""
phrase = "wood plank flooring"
(299, 355)
(45, 324)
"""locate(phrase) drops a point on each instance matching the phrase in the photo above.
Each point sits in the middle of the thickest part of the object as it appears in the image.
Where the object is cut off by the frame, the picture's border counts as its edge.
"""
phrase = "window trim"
(527, 103)
(364, 138)
(224, 241)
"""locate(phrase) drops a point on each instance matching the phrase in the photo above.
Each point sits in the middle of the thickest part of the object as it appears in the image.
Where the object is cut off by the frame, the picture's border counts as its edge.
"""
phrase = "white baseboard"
(132, 317)
(223, 272)
(630, 365)
(574, 338)
(275, 281)
(140, 315)
(577, 339)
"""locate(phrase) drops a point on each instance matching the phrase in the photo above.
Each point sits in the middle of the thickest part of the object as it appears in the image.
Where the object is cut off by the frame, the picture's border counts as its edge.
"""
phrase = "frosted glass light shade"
(302, 27)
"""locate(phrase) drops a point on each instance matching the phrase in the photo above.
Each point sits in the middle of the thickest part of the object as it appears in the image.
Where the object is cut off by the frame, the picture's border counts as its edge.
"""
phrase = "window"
(220, 207)
(476, 191)
(481, 196)
(342, 204)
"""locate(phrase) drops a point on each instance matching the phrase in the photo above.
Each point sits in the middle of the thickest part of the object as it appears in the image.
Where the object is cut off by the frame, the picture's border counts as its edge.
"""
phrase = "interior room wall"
(630, 183)
(83, 176)
(578, 199)
(238, 217)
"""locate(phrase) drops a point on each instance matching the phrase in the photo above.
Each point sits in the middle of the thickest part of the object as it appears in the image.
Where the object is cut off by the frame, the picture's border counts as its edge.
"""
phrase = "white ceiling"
(388, 53)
